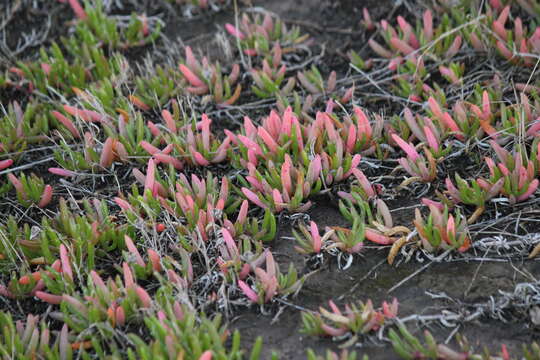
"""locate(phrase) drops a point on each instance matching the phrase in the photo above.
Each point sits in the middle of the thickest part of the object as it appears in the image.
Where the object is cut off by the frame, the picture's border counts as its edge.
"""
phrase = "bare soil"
(370, 277)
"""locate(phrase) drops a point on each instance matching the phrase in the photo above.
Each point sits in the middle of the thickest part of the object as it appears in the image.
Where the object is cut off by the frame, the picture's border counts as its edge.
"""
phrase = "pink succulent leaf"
(364, 127)
(429, 202)
(150, 176)
(250, 52)
(268, 23)
(454, 47)
(120, 316)
(78, 9)
(199, 158)
(193, 79)
(335, 309)
(368, 23)
(224, 190)
(332, 331)
(197, 90)
(248, 291)
(435, 108)
(401, 45)
(169, 121)
(530, 190)
(46, 197)
(207, 355)
(155, 260)
(61, 172)
(229, 241)
(271, 289)
(503, 16)
(351, 138)
(267, 139)
(450, 227)
(314, 169)
(278, 200)
(67, 123)
(451, 124)
(390, 310)
(504, 352)
(379, 49)
(491, 166)
(423, 171)
(66, 265)
(503, 169)
(107, 156)
(364, 183)
(242, 214)
(315, 237)
(49, 298)
(251, 145)
(403, 24)
(151, 149)
(406, 147)
(253, 198)
(346, 196)
(221, 152)
(252, 157)
(437, 216)
(415, 98)
(354, 164)
(77, 112)
(270, 264)
(346, 98)
(413, 124)
(484, 184)
(499, 29)
(394, 63)
(431, 139)
(46, 68)
(235, 72)
(231, 29)
(356, 248)
(288, 118)
(123, 204)
(286, 181)
(308, 85)
(495, 4)
(4, 164)
(428, 25)
(376, 237)
(133, 251)
(447, 72)
(476, 43)
(522, 176)
(486, 106)
(249, 128)
(167, 159)
(146, 300)
(191, 61)
(98, 281)
(255, 183)
(205, 131)
(507, 54)
(502, 154)
(407, 167)
(128, 275)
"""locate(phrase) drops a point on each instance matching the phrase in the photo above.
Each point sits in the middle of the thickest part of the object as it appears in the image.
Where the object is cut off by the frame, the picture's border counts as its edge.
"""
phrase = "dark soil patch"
(370, 277)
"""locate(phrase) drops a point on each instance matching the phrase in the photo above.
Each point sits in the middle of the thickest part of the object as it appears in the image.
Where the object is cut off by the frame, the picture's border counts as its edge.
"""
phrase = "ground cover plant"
(227, 179)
